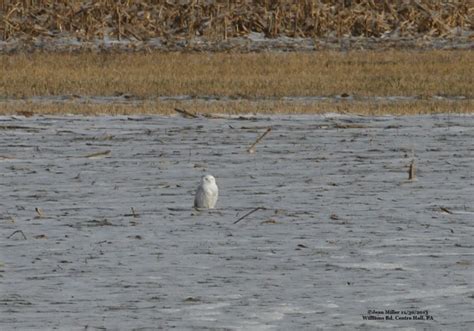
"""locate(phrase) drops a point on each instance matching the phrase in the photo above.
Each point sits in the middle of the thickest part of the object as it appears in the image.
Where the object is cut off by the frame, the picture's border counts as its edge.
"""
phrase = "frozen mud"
(254, 42)
(97, 230)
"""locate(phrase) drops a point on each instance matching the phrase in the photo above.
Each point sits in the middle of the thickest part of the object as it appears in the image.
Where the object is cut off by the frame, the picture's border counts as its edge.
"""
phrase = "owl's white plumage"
(207, 193)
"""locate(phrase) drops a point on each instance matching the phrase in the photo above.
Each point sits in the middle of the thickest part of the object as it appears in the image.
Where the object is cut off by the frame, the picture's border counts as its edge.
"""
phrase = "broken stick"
(185, 113)
(446, 210)
(17, 231)
(412, 171)
(98, 155)
(39, 211)
(251, 149)
(250, 212)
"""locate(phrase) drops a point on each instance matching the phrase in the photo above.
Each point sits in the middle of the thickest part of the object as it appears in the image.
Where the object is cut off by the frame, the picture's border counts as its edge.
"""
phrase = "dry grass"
(242, 107)
(223, 19)
(360, 73)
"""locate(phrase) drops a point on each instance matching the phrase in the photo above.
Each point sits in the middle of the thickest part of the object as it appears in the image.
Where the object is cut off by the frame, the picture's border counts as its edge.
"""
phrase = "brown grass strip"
(274, 75)
(235, 108)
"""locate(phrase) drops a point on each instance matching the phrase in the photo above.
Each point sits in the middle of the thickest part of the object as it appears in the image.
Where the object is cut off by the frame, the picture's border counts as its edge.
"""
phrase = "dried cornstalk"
(251, 149)
(412, 171)
(222, 19)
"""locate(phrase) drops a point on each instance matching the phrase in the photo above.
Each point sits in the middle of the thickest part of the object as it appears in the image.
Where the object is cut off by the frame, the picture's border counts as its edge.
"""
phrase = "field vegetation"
(365, 108)
(141, 20)
(241, 82)
(393, 73)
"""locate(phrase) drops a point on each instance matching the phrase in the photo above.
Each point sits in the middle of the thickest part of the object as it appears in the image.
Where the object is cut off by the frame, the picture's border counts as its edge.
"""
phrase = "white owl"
(207, 193)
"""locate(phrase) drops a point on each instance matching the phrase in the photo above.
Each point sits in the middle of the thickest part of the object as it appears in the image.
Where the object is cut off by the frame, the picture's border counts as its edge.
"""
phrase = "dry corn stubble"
(175, 20)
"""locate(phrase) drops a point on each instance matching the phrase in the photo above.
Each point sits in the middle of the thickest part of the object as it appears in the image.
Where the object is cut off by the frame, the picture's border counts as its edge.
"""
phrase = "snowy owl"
(206, 194)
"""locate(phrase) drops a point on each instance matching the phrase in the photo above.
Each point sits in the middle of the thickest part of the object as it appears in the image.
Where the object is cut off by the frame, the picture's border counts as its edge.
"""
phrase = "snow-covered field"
(114, 243)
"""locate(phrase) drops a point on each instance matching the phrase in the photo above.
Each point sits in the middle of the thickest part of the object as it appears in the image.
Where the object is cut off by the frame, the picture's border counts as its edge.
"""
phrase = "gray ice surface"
(343, 230)
(253, 42)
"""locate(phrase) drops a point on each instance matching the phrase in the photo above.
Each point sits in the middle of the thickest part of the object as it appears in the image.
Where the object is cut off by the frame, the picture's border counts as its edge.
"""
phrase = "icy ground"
(342, 231)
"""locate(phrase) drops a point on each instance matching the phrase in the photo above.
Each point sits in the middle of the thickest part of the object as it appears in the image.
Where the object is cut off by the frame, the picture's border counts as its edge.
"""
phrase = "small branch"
(249, 213)
(251, 149)
(214, 116)
(17, 231)
(446, 210)
(134, 214)
(412, 171)
(39, 211)
(97, 155)
(185, 113)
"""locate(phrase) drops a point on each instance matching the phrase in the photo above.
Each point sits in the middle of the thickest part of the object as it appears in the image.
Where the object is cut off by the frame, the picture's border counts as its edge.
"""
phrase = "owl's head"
(208, 179)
